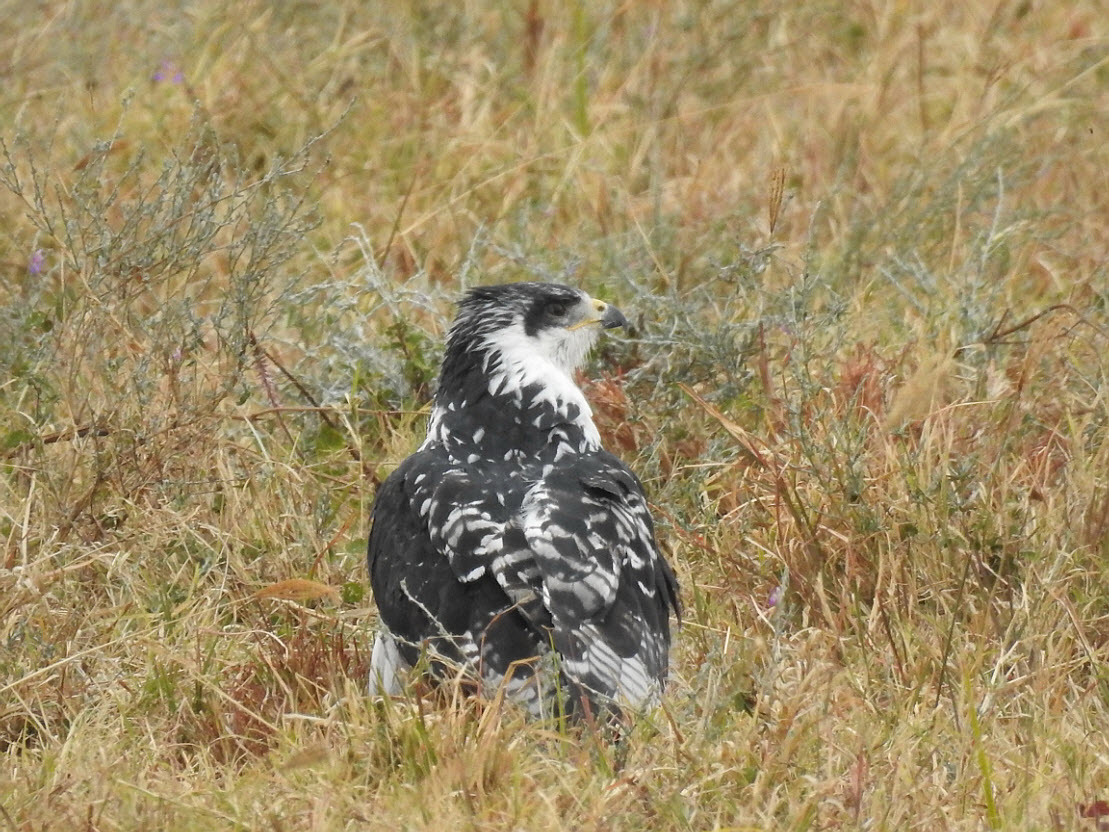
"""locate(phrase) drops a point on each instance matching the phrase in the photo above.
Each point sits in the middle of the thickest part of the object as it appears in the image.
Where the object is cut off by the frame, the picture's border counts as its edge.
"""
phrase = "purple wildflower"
(775, 596)
(37, 261)
(169, 72)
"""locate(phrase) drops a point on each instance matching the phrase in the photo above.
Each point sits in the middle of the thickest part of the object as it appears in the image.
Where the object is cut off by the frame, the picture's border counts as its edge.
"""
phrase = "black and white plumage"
(511, 550)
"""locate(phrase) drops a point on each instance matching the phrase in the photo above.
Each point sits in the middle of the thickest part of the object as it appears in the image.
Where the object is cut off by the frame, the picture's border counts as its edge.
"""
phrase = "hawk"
(511, 551)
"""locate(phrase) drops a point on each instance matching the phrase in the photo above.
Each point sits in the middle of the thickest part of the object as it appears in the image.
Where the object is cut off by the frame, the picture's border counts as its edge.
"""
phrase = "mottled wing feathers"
(465, 514)
(430, 548)
(501, 567)
(417, 593)
(608, 591)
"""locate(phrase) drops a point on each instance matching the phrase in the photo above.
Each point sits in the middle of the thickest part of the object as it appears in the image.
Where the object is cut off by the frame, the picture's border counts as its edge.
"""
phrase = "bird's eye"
(557, 309)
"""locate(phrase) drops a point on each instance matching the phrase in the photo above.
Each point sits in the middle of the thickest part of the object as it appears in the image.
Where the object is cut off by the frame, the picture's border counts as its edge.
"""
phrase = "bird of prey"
(511, 552)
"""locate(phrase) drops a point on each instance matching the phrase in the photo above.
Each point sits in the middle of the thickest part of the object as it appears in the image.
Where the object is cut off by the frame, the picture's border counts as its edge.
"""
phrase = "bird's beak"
(607, 315)
(611, 317)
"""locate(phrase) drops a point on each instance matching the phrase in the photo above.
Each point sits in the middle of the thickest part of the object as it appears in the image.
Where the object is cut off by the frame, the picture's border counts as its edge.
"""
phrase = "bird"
(511, 553)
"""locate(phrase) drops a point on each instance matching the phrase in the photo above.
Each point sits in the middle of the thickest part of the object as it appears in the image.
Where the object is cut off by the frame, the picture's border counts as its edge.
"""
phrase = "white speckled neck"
(545, 363)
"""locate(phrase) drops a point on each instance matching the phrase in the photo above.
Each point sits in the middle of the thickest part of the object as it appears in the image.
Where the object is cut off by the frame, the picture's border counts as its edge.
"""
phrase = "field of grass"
(865, 247)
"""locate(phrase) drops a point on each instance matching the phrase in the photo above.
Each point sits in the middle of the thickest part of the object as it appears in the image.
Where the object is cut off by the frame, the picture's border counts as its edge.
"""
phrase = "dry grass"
(866, 248)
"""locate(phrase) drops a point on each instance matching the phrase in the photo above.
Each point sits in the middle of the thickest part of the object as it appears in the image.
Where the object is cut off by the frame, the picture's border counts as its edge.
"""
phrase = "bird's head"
(510, 362)
(534, 322)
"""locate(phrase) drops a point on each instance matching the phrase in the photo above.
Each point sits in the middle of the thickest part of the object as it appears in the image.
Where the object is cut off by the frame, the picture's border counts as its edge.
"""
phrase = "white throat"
(546, 361)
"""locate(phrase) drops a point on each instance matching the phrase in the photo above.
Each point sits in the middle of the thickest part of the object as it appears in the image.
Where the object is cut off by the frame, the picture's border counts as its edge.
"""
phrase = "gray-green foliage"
(143, 266)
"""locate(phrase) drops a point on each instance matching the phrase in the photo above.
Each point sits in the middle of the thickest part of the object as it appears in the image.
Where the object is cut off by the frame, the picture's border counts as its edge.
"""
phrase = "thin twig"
(260, 356)
(998, 335)
(304, 391)
(960, 595)
(66, 435)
